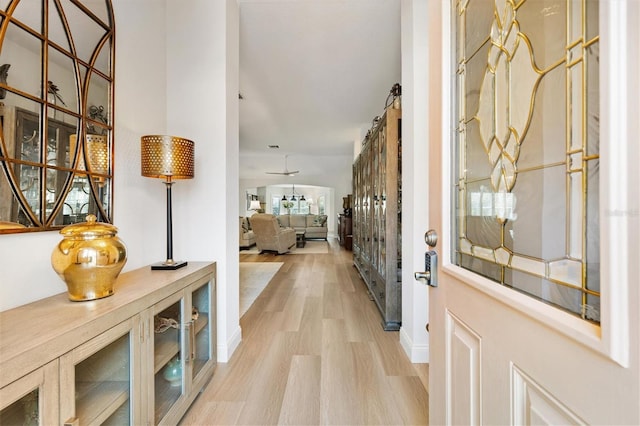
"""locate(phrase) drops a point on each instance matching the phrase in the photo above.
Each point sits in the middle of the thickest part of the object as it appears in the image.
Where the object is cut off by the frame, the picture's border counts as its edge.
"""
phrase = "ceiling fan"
(285, 172)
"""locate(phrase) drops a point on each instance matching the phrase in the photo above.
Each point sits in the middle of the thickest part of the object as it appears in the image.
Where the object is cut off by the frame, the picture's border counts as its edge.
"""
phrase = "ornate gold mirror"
(56, 112)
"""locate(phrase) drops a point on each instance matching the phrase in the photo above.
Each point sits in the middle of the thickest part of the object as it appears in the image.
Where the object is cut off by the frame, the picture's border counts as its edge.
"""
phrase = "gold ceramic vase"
(89, 259)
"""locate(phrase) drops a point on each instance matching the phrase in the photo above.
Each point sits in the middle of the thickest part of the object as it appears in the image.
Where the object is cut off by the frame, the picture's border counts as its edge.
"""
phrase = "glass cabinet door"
(22, 412)
(96, 380)
(381, 210)
(32, 400)
(203, 334)
(168, 357)
(183, 348)
(368, 200)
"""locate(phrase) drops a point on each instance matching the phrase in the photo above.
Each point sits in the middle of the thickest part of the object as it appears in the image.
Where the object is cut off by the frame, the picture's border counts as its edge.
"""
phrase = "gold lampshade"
(98, 154)
(170, 157)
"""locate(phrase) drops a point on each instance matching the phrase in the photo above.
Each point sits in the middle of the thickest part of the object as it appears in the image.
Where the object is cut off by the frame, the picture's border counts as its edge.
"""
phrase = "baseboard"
(226, 351)
(418, 354)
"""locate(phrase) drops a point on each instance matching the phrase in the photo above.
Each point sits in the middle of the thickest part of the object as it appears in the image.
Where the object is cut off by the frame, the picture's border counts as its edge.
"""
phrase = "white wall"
(141, 80)
(202, 104)
(415, 183)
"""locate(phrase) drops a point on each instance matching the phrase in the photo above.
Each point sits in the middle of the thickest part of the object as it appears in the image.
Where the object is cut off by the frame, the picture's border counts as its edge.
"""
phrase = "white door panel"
(463, 372)
(500, 356)
(533, 405)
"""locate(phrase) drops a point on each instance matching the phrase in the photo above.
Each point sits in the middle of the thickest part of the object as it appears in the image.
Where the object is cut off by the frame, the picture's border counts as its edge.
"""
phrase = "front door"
(534, 194)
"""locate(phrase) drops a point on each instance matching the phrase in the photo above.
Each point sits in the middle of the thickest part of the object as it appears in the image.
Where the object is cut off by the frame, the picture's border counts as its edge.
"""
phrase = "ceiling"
(313, 75)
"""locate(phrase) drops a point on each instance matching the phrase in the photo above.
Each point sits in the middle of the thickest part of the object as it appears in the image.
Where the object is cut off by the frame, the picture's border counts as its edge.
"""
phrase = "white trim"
(418, 354)
(612, 336)
(614, 175)
(225, 351)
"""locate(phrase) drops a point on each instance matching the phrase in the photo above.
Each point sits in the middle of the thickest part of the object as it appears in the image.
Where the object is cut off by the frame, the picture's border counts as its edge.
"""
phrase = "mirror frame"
(96, 178)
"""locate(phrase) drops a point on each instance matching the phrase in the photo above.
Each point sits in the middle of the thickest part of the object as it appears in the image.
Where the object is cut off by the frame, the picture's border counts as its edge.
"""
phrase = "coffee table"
(300, 240)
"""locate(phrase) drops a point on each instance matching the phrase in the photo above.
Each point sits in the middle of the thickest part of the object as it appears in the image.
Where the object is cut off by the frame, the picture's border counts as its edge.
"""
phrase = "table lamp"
(255, 205)
(169, 158)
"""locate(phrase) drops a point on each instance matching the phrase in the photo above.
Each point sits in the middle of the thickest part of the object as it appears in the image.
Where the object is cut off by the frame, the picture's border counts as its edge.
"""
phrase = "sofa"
(314, 225)
(269, 235)
(247, 236)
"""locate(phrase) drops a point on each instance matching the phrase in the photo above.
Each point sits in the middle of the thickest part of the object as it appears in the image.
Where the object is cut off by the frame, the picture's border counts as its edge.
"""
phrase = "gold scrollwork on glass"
(527, 130)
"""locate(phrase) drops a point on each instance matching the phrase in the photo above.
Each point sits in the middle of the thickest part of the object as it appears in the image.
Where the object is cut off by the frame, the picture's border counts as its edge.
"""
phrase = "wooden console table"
(112, 360)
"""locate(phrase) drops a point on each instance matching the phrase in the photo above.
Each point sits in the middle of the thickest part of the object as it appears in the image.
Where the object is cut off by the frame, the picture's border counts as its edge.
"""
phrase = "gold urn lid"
(89, 229)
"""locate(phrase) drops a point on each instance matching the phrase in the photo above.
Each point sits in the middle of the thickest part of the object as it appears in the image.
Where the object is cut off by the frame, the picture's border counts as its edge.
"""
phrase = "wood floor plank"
(410, 398)
(353, 306)
(313, 352)
(332, 304)
(340, 401)
(214, 413)
(423, 372)
(270, 373)
(301, 404)
(377, 404)
(293, 309)
(308, 341)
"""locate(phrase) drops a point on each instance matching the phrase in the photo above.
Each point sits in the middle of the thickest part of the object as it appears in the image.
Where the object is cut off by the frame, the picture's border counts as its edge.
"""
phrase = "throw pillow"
(245, 224)
(320, 220)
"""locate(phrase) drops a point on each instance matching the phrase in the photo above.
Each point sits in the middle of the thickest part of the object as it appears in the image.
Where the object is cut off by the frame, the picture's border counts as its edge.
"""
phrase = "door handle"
(430, 274)
(426, 275)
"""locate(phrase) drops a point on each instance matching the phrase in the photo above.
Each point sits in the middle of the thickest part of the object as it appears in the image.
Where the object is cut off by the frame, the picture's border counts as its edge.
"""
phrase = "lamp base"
(164, 266)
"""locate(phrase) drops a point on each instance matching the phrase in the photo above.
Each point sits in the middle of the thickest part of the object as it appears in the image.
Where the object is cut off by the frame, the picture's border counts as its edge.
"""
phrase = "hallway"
(314, 353)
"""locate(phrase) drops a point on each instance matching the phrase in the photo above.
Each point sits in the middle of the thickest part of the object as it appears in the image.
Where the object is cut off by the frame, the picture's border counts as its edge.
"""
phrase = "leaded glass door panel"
(528, 145)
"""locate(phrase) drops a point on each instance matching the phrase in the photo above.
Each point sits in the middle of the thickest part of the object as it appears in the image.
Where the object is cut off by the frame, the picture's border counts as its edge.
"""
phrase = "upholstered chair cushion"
(298, 221)
(283, 220)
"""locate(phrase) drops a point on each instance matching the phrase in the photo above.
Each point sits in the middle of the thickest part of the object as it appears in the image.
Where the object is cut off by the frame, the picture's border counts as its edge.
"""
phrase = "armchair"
(269, 235)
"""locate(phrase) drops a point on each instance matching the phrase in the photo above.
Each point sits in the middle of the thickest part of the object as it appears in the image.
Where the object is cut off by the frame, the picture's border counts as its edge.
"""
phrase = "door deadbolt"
(431, 237)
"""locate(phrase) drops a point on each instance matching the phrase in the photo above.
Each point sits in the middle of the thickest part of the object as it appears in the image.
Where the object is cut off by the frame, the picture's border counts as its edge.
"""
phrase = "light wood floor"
(314, 353)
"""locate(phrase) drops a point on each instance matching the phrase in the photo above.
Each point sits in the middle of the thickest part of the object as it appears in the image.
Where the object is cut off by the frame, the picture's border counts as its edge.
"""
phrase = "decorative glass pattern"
(527, 148)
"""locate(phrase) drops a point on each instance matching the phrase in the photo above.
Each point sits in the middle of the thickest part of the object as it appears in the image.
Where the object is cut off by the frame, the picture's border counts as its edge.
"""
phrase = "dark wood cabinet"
(345, 231)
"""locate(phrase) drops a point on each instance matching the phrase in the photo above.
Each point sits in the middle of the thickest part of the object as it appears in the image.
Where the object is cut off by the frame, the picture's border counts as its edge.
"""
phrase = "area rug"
(254, 277)
(311, 247)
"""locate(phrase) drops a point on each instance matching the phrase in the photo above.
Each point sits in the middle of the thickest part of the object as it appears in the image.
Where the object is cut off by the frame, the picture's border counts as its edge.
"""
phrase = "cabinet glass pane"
(22, 412)
(103, 385)
(167, 359)
(201, 313)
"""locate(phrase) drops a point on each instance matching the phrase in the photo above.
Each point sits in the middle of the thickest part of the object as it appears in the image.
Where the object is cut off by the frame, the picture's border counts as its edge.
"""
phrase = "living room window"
(303, 207)
(275, 205)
